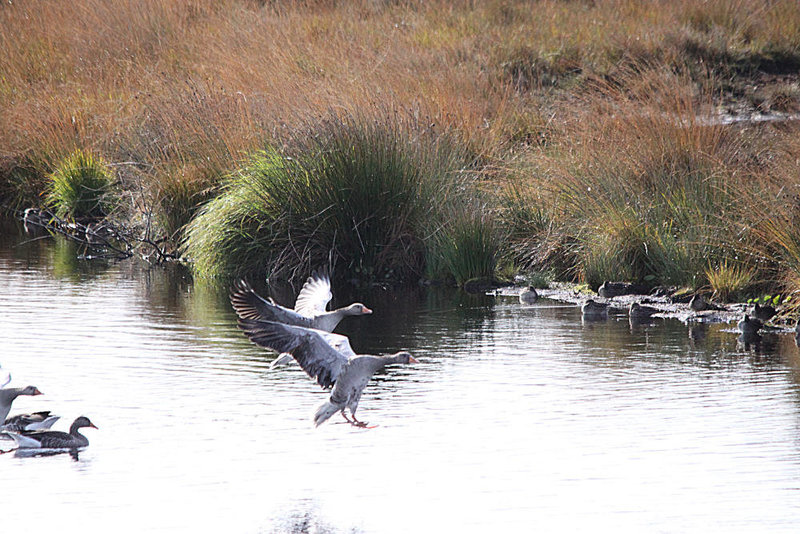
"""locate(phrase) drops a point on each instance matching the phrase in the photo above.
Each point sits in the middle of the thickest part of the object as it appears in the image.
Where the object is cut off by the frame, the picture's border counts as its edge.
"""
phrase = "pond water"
(516, 419)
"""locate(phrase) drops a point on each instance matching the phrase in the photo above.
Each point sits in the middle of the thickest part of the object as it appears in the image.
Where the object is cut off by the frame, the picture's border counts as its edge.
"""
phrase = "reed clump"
(642, 189)
(81, 187)
(368, 195)
(729, 279)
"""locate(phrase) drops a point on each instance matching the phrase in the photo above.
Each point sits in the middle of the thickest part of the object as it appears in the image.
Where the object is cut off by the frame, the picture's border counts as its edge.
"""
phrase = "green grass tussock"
(81, 187)
(362, 193)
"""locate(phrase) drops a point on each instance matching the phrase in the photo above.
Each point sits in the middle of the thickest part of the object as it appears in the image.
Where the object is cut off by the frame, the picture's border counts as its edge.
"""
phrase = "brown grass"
(564, 95)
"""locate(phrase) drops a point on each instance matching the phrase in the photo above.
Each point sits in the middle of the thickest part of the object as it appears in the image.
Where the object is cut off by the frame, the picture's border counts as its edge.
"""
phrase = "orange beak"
(366, 311)
(37, 392)
(412, 359)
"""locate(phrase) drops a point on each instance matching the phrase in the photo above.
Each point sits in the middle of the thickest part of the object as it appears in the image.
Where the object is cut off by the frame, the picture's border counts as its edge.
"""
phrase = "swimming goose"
(327, 358)
(528, 295)
(7, 396)
(310, 309)
(749, 326)
(29, 421)
(52, 439)
(639, 312)
(592, 309)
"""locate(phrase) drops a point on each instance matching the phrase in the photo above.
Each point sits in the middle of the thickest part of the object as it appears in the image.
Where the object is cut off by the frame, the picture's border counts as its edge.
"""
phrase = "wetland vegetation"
(404, 141)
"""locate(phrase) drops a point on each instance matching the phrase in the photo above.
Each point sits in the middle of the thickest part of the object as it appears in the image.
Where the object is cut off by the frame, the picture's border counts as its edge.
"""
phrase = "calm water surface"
(516, 419)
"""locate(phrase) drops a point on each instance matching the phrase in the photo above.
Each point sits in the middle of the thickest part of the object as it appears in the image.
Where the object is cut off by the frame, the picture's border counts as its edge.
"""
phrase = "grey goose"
(328, 359)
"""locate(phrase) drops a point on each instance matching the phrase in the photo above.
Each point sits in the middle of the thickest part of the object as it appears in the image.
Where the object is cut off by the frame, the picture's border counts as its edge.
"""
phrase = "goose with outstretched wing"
(310, 309)
(328, 359)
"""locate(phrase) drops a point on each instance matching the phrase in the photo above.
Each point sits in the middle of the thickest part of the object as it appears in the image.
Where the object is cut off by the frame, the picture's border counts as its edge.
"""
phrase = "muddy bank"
(619, 305)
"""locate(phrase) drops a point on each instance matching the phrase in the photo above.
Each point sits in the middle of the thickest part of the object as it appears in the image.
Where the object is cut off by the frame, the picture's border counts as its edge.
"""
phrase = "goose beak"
(91, 425)
(366, 311)
(37, 392)
(412, 359)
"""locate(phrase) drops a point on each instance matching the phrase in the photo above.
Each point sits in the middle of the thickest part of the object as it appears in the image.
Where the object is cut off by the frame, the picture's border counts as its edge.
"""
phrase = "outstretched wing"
(322, 355)
(249, 305)
(313, 299)
(5, 378)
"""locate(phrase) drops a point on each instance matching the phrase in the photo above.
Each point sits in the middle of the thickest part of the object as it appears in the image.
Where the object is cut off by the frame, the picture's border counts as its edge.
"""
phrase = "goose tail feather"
(324, 412)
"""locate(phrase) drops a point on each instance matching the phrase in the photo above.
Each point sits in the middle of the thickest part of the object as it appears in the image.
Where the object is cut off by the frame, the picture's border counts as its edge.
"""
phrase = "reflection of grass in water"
(207, 304)
(63, 256)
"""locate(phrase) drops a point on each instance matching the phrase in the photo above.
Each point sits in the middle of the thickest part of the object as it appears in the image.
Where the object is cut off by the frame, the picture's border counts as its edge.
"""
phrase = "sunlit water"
(516, 419)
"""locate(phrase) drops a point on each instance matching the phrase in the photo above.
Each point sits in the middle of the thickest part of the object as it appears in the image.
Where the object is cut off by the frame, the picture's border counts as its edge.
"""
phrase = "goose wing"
(322, 355)
(315, 295)
(29, 421)
(250, 305)
(47, 439)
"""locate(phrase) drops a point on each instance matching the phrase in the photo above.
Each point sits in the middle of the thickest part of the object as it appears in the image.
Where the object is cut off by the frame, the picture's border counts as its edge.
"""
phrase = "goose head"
(82, 422)
(404, 358)
(357, 309)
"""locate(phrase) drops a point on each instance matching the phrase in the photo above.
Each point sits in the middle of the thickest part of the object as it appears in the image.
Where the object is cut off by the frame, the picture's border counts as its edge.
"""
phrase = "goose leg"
(346, 418)
(360, 424)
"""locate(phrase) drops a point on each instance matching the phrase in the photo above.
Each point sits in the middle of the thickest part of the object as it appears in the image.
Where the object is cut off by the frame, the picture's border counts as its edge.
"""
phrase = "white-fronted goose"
(7, 396)
(591, 309)
(528, 295)
(53, 439)
(327, 358)
(29, 421)
(310, 309)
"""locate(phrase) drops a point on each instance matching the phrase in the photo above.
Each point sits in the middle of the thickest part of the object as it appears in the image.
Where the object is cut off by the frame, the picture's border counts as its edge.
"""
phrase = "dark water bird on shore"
(528, 295)
(699, 303)
(29, 421)
(640, 312)
(53, 439)
(8, 395)
(765, 312)
(327, 358)
(749, 326)
(310, 309)
(591, 309)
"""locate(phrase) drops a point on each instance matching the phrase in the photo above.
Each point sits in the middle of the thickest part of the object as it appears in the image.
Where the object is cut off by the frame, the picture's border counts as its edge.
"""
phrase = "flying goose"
(327, 358)
(52, 439)
(29, 421)
(7, 396)
(310, 308)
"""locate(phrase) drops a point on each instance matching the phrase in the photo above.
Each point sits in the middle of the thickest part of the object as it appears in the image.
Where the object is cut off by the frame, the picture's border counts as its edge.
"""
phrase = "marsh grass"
(643, 189)
(358, 192)
(729, 280)
(592, 106)
(81, 187)
(467, 246)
